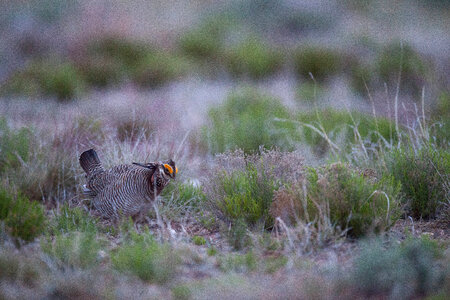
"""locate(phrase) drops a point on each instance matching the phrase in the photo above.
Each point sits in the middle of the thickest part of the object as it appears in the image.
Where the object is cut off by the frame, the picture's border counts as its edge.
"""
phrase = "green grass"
(14, 146)
(145, 258)
(247, 196)
(408, 270)
(198, 240)
(322, 63)
(73, 219)
(342, 196)
(253, 58)
(238, 262)
(340, 128)
(22, 218)
(49, 78)
(244, 122)
(423, 175)
(414, 70)
(75, 250)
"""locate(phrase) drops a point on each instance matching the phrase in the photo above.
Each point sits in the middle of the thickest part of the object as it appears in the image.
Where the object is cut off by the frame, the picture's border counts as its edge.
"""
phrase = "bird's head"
(168, 169)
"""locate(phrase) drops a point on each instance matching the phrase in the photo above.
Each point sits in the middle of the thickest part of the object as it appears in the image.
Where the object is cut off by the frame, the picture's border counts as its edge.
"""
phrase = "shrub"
(129, 54)
(17, 268)
(204, 42)
(408, 270)
(157, 68)
(245, 121)
(100, 71)
(339, 125)
(254, 59)
(413, 68)
(75, 250)
(145, 258)
(360, 77)
(73, 219)
(54, 78)
(344, 197)
(241, 188)
(322, 63)
(423, 175)
(238, 262)
(198, 240)
(14, 146)
(23, 219)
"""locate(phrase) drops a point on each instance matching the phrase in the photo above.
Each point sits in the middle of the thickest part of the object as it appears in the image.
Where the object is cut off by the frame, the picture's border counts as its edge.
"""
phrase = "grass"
(22, 218)
(340, 195)
(73, 219)
(322, 63)
(244, 122)
(75, 250)
(48, 78)
(14, 146)
(145, 258)
(254, 59)
(414, 72)
(423, 175)
(400, 271)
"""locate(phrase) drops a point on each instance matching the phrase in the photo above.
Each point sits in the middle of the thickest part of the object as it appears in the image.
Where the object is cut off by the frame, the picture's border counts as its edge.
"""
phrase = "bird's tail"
(89, 161)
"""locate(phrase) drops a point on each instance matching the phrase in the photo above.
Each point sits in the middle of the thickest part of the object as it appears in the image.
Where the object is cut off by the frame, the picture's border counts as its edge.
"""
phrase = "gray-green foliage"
(399, 271)
(14, 146)
(23, 219)
(144, 257)
(74, 250)
(245, 121)
(424, 178)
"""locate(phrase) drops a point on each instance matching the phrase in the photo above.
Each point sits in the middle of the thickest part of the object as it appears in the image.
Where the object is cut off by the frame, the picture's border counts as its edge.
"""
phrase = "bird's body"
(124, 190)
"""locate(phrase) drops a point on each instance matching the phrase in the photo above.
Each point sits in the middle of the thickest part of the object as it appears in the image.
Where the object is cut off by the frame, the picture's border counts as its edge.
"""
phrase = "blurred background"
(112, 59)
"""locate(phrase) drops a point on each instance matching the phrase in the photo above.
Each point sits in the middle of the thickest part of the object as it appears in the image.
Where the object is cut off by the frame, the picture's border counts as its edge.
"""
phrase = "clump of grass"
(361, 78)
(423, 175)
(14, 146)
(238, 262)
(395, 57)
(131, 129)
(345, 128)
(59, 79)
(23, 219)
(240, 190)
(158, 68)
(342, 196)
(100, 71)
(245, 121)
(144, 257)
(205, 41)
(73, 219)
(322, 63)
(408, 270)
(18, 268)
(253, 58)
(198, 240)
(75, 250)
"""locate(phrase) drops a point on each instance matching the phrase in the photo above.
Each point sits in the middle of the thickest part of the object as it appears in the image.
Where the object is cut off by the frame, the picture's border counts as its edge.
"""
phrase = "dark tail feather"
(89, 161)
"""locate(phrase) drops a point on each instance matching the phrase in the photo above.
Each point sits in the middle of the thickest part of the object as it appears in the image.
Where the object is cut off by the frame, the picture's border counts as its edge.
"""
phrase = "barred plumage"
(124, 190)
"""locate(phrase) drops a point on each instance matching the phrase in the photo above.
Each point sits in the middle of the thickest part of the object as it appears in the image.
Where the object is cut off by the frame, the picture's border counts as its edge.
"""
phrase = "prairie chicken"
(124, 190)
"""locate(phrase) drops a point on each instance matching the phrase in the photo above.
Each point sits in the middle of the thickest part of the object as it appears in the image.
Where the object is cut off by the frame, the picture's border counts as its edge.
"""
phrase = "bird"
(127, 189)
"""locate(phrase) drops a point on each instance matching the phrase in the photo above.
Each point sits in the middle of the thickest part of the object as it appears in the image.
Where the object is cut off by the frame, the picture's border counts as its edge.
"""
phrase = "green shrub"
(145, 258)
(414, 71)
(75, 250)
(181, 292)
(321, 62)
(204, 42)
(237, 235)
(23, 219)
(339, 125)
(238, 262)
(253, 58)
(423, 175)
(126, 52)
(360, 77)
(198, 240)
(100, 71)
(157, 68)
(245, 121)
(53, 78)
(403, 271)
(73, 219)
(14, 146)
(343, 197)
